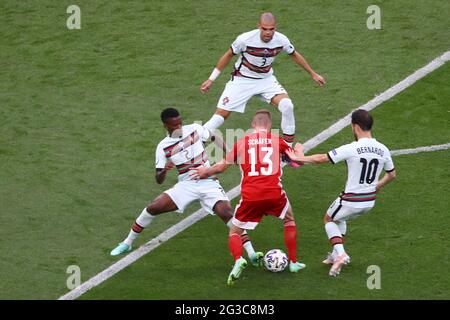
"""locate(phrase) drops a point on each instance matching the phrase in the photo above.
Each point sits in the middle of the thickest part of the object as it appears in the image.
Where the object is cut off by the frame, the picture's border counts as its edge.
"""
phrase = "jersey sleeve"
(238, 45)
(288, 46)
(203, 132)
(389, 164)
(160, 157)
(342, 153)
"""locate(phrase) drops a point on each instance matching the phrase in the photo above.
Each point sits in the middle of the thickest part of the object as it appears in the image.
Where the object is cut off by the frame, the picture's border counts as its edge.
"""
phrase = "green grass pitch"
(79, 124)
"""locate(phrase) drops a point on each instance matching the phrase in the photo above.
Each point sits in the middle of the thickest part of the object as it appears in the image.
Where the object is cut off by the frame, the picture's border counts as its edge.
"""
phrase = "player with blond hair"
(259, 156)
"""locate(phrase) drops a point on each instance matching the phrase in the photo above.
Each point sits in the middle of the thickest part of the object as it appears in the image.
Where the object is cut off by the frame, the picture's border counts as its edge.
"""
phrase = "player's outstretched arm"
(313, 159)
(388, 177)
(221, 64)
(203, 173)
(299, 149)
(301, 61)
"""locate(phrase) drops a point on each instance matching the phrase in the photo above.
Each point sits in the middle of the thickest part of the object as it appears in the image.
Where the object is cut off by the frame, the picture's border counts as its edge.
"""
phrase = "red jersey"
(259, 156)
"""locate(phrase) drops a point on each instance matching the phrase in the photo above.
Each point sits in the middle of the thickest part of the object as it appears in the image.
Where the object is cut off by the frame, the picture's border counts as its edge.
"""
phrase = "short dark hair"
(363, 119)
(169, 113)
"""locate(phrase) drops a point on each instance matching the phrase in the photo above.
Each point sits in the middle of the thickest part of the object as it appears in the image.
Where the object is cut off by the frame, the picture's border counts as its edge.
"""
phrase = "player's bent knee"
(327, 218)
(153, 208)
(288, 217)
(223, 113)
(286, 105)
(223, 210)
(161, 204)
(288, 221)
(235, 230)
(224, 215)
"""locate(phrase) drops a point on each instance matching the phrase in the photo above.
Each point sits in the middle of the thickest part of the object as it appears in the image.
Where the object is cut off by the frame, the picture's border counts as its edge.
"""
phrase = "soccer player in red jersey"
(259, 156)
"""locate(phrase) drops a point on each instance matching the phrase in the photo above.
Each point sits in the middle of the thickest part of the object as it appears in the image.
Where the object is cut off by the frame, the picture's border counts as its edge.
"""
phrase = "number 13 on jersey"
(265, 171)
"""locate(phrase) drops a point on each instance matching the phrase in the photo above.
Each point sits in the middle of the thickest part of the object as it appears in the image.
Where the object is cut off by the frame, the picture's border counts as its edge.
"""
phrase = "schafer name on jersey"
(252, 142)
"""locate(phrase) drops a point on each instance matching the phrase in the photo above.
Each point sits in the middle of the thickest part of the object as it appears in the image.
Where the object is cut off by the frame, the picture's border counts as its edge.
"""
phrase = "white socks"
(247, 244)
(287, 116)
(131, 237)
(215, 122)
(338, 249)
(333, 231)
(144, 219)
(342, 227)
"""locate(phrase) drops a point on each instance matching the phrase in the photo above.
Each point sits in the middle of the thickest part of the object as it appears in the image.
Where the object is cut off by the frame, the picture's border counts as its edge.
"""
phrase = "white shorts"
(239, 90)
(341, 212)
(207, 191)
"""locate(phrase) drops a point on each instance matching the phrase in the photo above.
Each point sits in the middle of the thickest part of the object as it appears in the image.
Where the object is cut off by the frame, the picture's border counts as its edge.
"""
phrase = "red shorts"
(248, 214)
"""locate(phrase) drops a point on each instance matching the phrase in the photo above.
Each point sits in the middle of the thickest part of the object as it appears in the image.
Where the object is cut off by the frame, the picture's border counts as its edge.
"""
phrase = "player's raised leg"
(290, 240)
(286, 107)
(235, 246)
(162, 203)
(217, 119)
(234, 98)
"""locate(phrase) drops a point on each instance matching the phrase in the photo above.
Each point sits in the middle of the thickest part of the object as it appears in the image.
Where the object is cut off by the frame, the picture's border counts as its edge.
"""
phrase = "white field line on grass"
(372, 104)
(421, 149)
(200, 214)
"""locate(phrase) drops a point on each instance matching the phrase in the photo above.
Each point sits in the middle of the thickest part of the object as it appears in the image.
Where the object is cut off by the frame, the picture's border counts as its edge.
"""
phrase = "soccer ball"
(275, 260)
